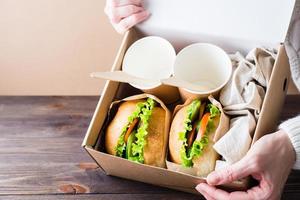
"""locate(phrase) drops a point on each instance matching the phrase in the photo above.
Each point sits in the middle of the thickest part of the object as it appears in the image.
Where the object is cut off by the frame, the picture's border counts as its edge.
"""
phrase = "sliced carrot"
(130, 129)
(203, 125)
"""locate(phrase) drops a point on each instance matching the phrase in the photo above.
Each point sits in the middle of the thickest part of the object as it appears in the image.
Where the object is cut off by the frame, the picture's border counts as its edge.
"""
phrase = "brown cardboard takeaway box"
(233, 28)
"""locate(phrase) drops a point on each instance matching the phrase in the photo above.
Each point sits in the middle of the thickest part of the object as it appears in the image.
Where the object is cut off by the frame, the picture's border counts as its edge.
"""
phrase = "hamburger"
(137, 132)
(192, 137)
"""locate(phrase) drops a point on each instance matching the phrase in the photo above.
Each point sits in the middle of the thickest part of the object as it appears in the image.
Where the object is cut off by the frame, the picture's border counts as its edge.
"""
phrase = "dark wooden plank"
(40, 142)
(41, 145)
(172, 196)
(182, 196)
(40, 153)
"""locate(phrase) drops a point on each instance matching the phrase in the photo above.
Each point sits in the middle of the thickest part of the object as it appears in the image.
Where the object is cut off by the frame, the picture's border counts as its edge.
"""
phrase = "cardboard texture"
(271, 108)
(161, 92)
(233, 25)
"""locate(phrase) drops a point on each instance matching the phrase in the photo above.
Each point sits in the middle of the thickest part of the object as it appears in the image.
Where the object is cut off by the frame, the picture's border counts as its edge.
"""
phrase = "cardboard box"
(179, 33)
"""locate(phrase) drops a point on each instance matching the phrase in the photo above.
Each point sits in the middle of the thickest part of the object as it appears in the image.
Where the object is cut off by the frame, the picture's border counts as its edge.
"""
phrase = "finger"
(253, 193)
(131, 21)
(242, 195)
(257, 192)
(117, 14)
(212, 191)
(231, 173)
(117, 3)
(207, 196)
(203, 192)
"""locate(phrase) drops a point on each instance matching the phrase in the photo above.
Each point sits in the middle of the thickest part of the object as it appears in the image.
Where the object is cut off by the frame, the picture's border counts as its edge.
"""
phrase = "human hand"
(124, 14)
(269, 161)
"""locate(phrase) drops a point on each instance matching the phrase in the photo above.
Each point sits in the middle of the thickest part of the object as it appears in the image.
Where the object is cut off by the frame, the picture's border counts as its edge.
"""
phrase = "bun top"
(155, 148)
(174, 143)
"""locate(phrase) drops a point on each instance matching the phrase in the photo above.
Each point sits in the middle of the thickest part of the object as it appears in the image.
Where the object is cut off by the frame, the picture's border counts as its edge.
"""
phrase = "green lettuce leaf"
(138, 145)
(121, 146)
(214, 110)
(192, 112)
(198, 146)
(142, 111)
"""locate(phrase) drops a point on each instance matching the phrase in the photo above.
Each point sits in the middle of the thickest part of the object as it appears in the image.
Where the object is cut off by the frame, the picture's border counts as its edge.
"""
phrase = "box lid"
(231, 24)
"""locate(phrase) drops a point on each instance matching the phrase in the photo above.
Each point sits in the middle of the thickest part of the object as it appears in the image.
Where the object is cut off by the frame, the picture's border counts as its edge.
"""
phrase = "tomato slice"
(203, 125)
(130, 129)
(191, 135)
(202, 108)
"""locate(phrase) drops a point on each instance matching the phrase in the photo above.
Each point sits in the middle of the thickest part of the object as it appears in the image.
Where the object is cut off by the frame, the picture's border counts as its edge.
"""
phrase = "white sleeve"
(292, 45)
(292, 128)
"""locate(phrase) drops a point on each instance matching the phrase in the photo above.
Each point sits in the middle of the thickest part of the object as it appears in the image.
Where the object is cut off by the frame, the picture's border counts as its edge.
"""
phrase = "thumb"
(231, 173)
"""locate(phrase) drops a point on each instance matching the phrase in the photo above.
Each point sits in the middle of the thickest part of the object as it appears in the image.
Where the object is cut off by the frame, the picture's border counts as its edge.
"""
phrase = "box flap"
(231, 24)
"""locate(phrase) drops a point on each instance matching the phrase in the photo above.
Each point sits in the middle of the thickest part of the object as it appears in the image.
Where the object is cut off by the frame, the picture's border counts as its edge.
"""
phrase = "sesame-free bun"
(154, 151)
(205, 163)
(115, 127)
(174, 143)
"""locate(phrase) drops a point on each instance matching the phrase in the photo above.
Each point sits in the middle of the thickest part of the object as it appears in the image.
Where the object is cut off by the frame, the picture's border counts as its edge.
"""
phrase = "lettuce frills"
(192, 110)
(198, 146)
(142, 111)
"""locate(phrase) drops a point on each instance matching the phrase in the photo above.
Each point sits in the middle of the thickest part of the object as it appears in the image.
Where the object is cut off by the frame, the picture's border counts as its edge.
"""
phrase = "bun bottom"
(205, 163)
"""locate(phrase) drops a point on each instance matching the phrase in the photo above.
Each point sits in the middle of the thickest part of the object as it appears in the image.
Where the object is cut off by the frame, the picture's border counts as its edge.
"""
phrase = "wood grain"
(173, 196)
(41, 155)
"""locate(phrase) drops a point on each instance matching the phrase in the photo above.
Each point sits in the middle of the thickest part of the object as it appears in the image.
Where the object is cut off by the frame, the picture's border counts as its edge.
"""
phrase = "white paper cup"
(203, 64)
(152, 58)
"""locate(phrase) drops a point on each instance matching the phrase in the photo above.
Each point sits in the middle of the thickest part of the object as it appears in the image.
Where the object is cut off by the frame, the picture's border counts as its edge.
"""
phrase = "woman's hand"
(124, 14)
(269, 161)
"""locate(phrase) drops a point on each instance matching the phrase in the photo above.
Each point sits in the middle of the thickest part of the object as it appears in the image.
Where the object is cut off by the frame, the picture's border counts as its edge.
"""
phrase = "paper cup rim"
(229, 62)
(209, 91)
(171, 68)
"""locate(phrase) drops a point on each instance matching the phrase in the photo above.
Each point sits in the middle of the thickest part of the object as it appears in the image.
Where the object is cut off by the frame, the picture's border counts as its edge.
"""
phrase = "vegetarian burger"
(137, 132)
(191, 136)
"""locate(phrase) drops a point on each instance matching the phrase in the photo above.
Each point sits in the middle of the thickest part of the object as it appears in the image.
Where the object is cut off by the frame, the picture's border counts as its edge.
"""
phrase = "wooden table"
(41, 155)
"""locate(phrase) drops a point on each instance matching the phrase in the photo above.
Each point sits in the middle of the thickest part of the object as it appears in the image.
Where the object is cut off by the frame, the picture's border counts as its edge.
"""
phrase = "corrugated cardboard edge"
(167, 116)
(275, 96)
(157, 176)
